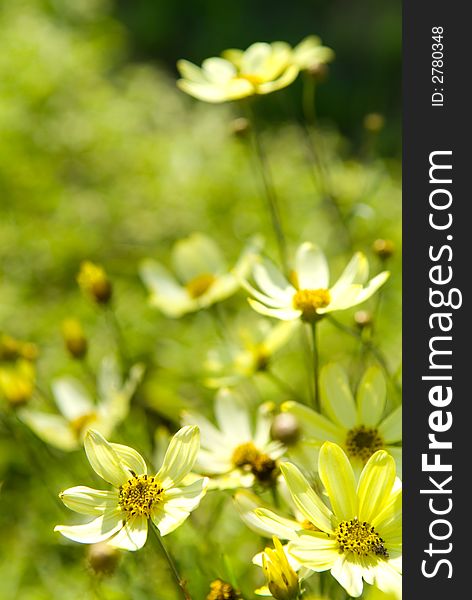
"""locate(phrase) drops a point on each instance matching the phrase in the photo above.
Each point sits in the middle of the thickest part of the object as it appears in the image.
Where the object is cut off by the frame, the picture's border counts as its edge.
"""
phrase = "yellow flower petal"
(338, 478)
(336, 396)
(371, 397)
(375, 485)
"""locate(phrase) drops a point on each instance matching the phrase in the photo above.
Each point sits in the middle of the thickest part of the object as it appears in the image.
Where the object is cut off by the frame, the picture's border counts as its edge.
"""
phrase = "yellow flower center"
(197, 286)
(362, 442)
(80, 424)
(220, 590)
(252, 78)
(309, 301)
(248, 457)
(138, 495)
(359, 538)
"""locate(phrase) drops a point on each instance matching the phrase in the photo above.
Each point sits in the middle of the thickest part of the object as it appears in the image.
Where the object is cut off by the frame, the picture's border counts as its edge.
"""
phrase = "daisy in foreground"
(121, 515)
(308, 296)
(359, 427)
(360, 537)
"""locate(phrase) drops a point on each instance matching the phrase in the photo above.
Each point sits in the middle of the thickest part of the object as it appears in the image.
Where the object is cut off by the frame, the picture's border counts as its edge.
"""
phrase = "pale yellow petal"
(375, 485)
(338, 478)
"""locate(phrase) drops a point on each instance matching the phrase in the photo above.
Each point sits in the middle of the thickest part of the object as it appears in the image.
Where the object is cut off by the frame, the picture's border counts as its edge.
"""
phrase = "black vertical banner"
(436, 311)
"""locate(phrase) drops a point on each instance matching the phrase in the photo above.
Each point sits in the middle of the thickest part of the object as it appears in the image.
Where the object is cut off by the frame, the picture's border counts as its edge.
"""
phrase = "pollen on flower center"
(359, 538)
(362, 442)
(309, 301)
(247, 456)
(197, 286)
(138, 495)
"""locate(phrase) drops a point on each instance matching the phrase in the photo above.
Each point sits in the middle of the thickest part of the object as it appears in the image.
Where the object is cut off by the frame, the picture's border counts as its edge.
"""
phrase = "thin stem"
(269, 188)
(170, 561)
(308, 99)
(316, 365)
(118, 334)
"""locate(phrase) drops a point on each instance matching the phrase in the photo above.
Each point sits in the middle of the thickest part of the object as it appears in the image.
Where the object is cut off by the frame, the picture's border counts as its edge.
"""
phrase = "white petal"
(104, 459)
(130, 458)
(305, 499)
(53, 429)
(213, 463)
(88, 501)
(232, 417)
(284, 314)
(371, 397)
(71, 398)
(98, 530)
(132, 536)
(263, 425)
(271, 282)
(336, 396)
(160, 282)
(167, 517)
(218, 70)
(190, 71)
(187, 497)
(356, 272)
(349, 576)
(211, 438)
(391, 427)
(388, 580)
(270, 523)
(374, 284)
(311, 267)
(314, 550)
(180, 456)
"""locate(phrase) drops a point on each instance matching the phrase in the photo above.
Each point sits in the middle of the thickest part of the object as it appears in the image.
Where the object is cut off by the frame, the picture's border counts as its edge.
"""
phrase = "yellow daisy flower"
(309, 296)
(121, 516)
(203, 277)
(261, 69)
(360, 536)
(282, 580)
(235, 455)
(359, 426)
(79, 412)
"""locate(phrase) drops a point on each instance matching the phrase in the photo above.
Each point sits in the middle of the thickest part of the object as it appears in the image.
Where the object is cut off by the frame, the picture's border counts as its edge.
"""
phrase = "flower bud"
(285, 428)
(374, 122)
(363, 318)
(240, 126)
(220, 590)
(74, 338)
(383, 248)
(282, 580)
(17, 382)
(102, 558)
(94, 282)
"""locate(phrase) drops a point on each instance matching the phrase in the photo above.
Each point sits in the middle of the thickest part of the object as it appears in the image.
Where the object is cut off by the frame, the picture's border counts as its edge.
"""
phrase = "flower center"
(80, 424)
(359, 538)
(220, 590)
(248, 457)
(362, 442)
(197, 286)
(309, 301)
(138, 495)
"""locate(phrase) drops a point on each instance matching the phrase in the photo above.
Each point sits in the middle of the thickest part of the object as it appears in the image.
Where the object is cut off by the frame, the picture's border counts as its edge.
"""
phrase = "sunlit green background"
(102, 158)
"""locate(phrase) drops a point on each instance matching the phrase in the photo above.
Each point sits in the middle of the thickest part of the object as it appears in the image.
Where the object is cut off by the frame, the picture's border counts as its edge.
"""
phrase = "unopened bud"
(285, 428)
(74, 338)
(220, 590)
(363, 318)
(17, 382)
(281, 578)
(240, 127)
(318, 71)
(383, 248)
(102, 558)
(94, 282)
(374, 122)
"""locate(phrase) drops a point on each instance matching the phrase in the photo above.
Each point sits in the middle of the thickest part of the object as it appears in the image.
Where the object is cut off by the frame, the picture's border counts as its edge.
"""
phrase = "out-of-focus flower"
(363, 318)
(203, 277)
(74, 338)
(234, 455)
(374, 122)
(261, 69)
(358, 426)
(79, 412)
(360, 536)
(94, 282)
(258, 343)
(309, 296)
(282, 580)
(17, 370)
(221, 590)
(309, 55)
(121, 515)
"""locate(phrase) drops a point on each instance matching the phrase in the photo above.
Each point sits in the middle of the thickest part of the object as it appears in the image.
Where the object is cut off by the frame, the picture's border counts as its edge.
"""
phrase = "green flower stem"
(181, 584)
(308, 99)
(269, 188)
(316, 365)
(117, 332)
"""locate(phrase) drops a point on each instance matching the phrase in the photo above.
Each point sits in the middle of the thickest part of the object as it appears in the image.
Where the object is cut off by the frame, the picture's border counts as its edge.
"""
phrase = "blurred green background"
(102, 158)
